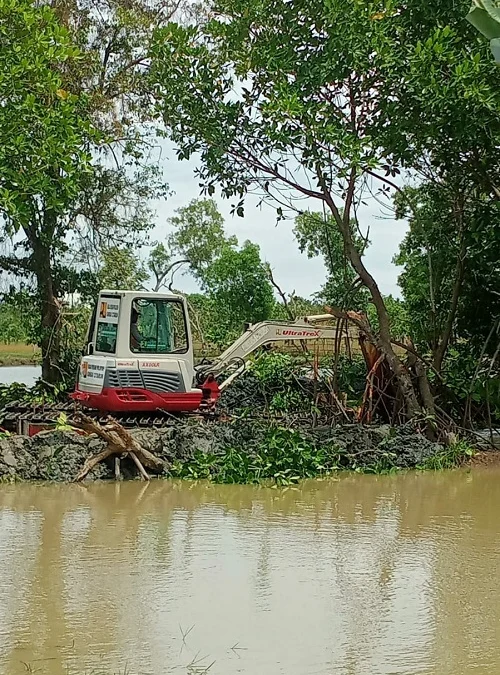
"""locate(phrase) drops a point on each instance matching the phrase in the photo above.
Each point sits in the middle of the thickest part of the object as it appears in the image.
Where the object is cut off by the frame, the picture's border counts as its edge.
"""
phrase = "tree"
(196, 238)
(160, 265)
(235, 279)
(46, 136)
(400, 317)
(77, 78)
(12, 328)
(283, 98)
(238, 283)
(450, 259)
(317, 235)
(320, 100)
(121, 269)
(442, 118)
(443, 123)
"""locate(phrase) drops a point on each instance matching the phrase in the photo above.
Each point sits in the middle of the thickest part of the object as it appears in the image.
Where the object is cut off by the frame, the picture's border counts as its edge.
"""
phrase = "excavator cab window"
(106, 337)
(106, 312)
(158, 326)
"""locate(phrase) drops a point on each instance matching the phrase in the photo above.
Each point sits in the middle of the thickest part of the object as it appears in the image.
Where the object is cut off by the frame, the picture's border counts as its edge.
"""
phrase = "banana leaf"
(485, 16)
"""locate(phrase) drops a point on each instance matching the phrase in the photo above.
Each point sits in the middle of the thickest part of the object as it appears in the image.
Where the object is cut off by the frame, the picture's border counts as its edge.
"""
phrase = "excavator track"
(21, 417)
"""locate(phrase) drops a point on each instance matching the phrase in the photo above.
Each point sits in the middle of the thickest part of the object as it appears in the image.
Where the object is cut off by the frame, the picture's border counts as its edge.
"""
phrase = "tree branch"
(383, 179)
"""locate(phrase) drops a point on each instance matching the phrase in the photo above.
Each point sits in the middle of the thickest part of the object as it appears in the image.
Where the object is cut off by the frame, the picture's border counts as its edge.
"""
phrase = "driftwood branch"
(94, 461)
(120, 443)
(138, 464)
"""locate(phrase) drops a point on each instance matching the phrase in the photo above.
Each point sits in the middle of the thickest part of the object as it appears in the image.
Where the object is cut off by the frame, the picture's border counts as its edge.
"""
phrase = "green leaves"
(45, 135)
(449, 224)
(198, 234)
(485, 16)
(121, 268)
(238, 282)
(256, 83)
(283, 456)
(234, 278)
(317, 235)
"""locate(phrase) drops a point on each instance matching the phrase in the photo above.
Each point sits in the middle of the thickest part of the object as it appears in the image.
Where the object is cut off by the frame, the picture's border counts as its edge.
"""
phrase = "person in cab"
(135, 334)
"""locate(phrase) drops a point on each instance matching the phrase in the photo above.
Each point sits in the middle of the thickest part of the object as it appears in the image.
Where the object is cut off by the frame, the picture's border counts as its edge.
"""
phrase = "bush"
(282, 455)
(470, 385)
(12, 328)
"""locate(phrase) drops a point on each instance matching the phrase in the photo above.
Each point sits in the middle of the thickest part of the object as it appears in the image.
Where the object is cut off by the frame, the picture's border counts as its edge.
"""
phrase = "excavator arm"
(262, 333)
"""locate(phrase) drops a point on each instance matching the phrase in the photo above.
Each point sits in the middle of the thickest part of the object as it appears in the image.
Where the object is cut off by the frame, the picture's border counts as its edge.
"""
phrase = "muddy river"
(362, 575)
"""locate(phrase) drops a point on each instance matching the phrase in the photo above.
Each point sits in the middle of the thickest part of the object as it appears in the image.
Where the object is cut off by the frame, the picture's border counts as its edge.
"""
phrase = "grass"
(18, 354)
(455, 455)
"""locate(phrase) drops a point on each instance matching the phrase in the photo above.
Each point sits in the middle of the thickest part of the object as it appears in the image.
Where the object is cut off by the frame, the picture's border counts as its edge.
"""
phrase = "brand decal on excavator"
(93, 371)
(109, 310)
(300, 333)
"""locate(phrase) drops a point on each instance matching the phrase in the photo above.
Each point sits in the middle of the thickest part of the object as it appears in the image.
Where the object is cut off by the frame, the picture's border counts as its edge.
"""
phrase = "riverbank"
(240, 451)
(18, 355)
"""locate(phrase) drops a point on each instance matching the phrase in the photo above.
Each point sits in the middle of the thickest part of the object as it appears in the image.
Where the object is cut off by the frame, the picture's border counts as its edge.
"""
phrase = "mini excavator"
(138, 362)
(139, 354)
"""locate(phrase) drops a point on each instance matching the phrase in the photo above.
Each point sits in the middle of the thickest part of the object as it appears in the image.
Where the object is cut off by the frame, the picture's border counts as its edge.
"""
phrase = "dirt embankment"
(60, 455)
(486, 458)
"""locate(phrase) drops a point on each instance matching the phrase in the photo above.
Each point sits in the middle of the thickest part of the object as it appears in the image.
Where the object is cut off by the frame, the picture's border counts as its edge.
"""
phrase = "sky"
(292, 270)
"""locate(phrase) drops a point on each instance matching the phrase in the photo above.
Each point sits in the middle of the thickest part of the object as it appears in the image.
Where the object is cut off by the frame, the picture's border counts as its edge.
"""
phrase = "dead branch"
(120, 443)
(117, 468)
(357, 319)
(138, 464)
(94, 461)
(146, 457)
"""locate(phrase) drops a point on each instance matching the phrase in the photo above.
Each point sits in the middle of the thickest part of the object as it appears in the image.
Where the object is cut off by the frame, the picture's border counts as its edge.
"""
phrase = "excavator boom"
(259, 334)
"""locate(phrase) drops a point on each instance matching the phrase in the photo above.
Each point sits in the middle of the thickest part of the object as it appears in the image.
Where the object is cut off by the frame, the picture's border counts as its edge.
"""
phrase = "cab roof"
(141, 294)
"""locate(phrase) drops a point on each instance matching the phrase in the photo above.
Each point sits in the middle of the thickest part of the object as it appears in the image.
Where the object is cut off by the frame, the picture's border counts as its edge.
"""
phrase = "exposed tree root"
(119, 443)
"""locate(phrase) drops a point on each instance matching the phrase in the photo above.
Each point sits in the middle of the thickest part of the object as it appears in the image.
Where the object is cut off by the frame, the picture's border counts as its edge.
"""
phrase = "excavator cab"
(139, 355)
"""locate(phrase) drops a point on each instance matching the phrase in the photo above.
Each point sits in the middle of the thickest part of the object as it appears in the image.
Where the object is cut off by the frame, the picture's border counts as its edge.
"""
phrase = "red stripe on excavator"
(138, 400)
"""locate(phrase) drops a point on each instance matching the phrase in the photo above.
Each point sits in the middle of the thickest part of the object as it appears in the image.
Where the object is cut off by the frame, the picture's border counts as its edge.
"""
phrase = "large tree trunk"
(445, 337)
(383, 340)
(50, 341)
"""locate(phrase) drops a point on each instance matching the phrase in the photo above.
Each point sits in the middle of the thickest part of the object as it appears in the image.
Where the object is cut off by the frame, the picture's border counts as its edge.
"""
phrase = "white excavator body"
(139, 355)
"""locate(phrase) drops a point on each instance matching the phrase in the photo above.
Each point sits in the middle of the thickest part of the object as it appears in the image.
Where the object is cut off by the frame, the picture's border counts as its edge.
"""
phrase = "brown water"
(356, 576)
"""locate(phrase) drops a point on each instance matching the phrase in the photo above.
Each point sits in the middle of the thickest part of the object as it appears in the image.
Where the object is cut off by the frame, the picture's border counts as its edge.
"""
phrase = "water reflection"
(361, 575)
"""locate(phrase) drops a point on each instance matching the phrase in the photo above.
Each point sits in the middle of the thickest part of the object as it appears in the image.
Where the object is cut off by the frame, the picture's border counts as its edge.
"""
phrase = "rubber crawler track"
(12, 416)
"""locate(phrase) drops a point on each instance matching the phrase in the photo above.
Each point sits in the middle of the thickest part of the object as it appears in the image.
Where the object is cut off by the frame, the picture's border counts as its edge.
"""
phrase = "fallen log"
(119, 443)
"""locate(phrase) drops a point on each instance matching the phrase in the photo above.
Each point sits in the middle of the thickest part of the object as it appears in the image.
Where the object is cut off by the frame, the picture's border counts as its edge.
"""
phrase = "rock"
(9, 459)
(95, 444)
(384, 431)
(15, 456)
